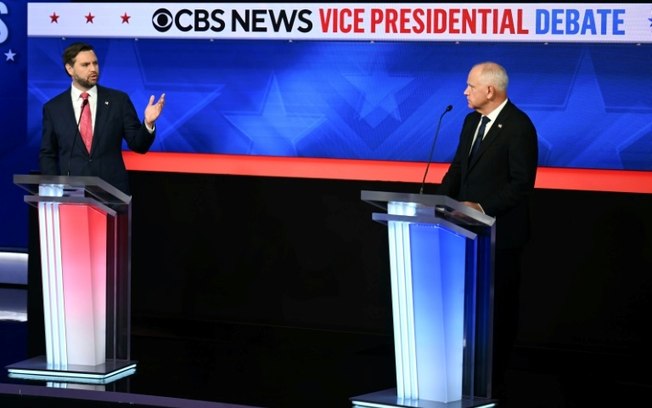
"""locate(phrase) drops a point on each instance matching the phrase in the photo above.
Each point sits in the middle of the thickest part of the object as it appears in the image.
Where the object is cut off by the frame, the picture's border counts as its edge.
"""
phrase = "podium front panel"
(441, 267)
(84, 228)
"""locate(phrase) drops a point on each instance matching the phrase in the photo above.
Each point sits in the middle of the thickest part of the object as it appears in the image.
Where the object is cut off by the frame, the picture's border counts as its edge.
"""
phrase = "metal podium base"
(388, 398)
(37, 369)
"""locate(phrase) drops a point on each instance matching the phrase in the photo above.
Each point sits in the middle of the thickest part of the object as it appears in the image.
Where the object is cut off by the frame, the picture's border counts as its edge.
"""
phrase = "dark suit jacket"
(63, 152)
(502, 174)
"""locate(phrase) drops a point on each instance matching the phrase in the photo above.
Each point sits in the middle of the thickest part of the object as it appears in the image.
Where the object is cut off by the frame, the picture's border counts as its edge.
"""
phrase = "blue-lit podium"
(441, 266)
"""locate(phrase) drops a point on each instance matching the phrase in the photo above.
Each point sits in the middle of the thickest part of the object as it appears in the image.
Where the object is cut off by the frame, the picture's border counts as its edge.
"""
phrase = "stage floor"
(234, 365)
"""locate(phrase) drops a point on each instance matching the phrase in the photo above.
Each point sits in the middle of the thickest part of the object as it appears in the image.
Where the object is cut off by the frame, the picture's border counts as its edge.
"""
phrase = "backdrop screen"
(359, 99)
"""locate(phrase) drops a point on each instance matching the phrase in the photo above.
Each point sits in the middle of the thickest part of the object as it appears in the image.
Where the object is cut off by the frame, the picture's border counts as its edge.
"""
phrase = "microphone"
(77, 133)
(432, 148)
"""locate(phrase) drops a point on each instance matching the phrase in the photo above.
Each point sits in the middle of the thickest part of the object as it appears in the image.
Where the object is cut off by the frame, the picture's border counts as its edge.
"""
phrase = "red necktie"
(86, 122)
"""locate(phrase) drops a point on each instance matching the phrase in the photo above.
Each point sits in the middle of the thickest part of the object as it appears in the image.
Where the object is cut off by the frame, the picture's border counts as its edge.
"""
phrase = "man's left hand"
(153, 110)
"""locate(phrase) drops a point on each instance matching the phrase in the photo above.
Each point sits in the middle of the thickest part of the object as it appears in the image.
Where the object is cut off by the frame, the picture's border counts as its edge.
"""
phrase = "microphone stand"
(432, 148)
(77, 133)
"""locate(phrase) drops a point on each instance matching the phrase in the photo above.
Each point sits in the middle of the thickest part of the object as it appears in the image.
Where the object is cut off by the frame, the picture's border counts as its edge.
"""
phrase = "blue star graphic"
(274, 131)
(10, 55)
(379, 94)
(650, 19)
(613, 144)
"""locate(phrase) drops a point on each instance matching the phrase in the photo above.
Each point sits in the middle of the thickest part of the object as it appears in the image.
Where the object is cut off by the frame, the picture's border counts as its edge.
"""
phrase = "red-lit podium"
(84, 232)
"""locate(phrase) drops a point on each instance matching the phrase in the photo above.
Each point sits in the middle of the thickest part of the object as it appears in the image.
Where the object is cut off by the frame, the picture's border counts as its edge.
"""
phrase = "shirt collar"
(76, 93)
(494, 113)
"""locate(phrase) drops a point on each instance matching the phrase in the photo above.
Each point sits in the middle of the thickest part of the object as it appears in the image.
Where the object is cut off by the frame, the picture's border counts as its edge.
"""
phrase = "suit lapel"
(69, 109)
(101, 111)
(493, 133)
(69, 112)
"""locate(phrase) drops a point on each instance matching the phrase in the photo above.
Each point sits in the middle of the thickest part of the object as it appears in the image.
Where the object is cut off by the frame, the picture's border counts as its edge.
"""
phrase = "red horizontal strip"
(624, 181)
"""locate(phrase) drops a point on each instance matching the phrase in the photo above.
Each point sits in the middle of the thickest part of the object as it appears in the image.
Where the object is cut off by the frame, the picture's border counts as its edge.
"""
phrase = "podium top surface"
(74, 186)
(436, 205)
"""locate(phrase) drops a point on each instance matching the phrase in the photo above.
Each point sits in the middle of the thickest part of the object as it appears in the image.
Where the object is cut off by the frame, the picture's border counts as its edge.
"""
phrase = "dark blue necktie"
(478, 137)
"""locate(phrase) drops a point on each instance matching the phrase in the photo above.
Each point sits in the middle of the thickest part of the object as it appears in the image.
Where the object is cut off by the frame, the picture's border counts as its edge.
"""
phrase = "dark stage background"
(305, 252)
(305, 256)
(275, 292)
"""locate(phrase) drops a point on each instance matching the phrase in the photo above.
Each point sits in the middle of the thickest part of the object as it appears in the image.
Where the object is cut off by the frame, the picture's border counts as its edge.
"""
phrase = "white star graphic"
(10, 55)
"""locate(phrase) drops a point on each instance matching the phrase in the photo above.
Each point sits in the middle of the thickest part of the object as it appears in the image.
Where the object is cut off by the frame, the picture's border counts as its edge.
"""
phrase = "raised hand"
(153, 110)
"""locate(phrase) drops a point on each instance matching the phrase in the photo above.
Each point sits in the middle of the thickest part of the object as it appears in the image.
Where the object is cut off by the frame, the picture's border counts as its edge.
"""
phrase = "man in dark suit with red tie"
(83, 130)
(108, 115)
(493, 171)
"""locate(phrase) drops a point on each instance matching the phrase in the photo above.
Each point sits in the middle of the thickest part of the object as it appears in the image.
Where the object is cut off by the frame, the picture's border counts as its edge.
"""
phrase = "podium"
(441, 256)
(84, 234)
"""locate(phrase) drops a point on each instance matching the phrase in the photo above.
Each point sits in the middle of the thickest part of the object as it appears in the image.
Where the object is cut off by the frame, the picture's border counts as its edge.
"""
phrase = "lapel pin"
(500, 126)
(106, 103)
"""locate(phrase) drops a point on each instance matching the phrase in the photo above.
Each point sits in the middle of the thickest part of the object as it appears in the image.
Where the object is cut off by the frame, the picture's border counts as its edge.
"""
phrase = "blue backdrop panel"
(591, 103)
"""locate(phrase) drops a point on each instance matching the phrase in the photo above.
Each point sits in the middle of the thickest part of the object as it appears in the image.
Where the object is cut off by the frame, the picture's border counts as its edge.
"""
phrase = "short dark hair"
(70, 53)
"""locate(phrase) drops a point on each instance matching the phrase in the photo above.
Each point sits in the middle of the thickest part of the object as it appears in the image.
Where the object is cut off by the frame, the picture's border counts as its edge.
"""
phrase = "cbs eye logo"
(162, 20)
(184, 20)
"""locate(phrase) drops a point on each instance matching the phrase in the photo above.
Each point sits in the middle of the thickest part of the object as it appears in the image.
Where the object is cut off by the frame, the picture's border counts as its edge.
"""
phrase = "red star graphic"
(89, 18)
(125, 18)
(54, 18)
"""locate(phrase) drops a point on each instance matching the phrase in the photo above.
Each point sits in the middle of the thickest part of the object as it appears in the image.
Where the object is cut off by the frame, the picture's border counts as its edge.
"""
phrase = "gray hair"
(494, 74)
